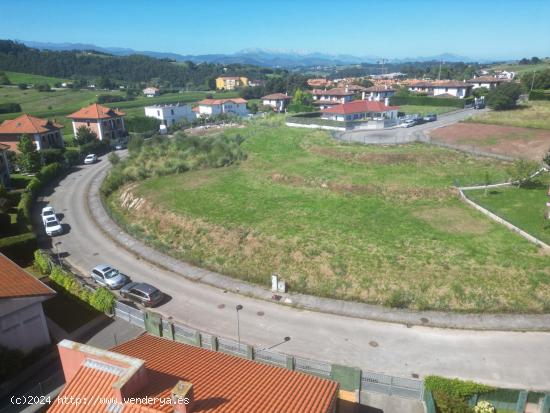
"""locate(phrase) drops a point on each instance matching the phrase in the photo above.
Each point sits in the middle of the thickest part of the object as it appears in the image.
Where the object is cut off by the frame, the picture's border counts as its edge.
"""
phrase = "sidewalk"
(503, 322)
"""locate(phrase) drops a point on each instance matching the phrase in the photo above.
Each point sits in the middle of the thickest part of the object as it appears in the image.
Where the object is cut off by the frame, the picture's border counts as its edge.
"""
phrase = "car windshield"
(111, 273)
(51, 224)
(154, 294)
(45, 213)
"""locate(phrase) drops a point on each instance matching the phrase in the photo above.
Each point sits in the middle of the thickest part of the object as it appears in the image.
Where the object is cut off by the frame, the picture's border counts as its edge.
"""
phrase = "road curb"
(467, 321)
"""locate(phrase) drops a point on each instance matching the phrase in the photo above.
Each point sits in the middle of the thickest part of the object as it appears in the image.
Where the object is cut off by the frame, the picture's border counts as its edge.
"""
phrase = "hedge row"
(429, 101)
(539, 95)
(10, 107)
(101, 299)
(18, 246)
(452, 395)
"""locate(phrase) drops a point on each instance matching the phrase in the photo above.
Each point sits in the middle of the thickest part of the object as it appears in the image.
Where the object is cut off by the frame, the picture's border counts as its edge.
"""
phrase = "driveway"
(508, 359)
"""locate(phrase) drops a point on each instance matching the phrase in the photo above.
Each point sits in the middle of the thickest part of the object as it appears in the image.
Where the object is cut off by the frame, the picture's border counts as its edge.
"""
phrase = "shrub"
(10, 107)
(504, 96)
(42, 262)
(451, 395)
(19, 247)
(102, 300)
(110, 98)
(24, 211)
(52, 155)
(42, 87)
(484, 407)
(22, 86)
(141, 124)
(114, 158)
(539, 95)
(49, 172)
(71, 157)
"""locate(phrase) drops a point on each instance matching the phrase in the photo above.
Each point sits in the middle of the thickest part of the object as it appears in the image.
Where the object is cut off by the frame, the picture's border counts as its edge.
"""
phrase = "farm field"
(524, 207)
(424, 110)
(523, 68)
(16, 77)
(375, 224)
(535, 114)
(528, 143)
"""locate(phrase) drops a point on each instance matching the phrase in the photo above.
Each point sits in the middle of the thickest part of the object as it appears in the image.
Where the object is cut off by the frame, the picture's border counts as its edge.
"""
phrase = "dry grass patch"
(453, 219)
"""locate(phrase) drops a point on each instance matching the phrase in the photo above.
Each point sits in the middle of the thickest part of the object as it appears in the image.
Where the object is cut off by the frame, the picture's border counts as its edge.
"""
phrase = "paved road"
(500, 358)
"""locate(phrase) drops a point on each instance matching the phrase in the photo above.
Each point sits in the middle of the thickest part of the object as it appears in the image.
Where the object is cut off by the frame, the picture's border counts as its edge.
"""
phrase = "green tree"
(537, 80)
(521, 171)
(42, 87)
(4, 200)
(29, 158)
(84, 135)
(4, 80)
(114, 158)
(504, 96)
(480, 91)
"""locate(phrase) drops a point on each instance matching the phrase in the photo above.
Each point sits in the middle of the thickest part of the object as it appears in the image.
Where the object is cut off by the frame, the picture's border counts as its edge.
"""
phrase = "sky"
(482, 29)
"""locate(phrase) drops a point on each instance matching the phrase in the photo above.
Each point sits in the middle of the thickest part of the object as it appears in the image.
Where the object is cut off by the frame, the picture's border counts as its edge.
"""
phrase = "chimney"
(131, 372)
(387, 101)
(183, 398)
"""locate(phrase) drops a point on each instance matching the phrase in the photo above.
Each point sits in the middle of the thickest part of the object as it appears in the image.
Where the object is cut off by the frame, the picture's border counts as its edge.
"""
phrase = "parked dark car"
(431, 117)
(479, 105)
(142, 293)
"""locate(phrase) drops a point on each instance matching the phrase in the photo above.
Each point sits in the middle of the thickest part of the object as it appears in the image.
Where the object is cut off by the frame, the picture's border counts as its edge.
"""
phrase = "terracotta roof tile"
(28, 124)
(95, 111)
(222, 383)
(16, 282)
(359, 106)
(277, 96)
(379, 89)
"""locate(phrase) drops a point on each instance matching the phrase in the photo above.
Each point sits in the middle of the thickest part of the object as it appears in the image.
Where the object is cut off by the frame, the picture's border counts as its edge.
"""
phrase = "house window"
(88, 123)
(158, 112)
(172, 112)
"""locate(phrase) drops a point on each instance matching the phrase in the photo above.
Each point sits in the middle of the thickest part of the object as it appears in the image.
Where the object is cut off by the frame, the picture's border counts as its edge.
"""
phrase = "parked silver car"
(142, 293)
(109, 277)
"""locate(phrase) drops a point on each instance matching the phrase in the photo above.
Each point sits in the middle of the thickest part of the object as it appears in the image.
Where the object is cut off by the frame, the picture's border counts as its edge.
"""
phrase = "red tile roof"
(441, 83)
(359, 106)
(379, 89)
(222, 383)
(16, 282)
(209, 102)
(28, 124)
(337, 91)
(277, 96)
(96, 111)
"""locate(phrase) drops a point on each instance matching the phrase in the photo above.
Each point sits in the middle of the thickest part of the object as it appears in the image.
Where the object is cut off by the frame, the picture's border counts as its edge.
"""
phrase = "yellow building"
(231, 82)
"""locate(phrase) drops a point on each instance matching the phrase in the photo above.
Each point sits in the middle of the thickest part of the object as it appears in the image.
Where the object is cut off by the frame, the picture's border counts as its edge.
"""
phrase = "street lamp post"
(238, 308)
(57, 251)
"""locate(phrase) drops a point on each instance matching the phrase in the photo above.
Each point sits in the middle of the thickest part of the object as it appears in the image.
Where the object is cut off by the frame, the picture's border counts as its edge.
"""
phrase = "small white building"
(213, 107)
(22, 321)
(170, 114)
(151, 92)
(332, 97)
(361, 110)
(446, 88)
(278, 101)
(377, 93)
(488, 82)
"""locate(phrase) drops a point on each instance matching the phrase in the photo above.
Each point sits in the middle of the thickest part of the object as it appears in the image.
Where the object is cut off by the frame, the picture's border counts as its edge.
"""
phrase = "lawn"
(535, 114)
(16, 78)
(424, 110)
(524, 207)
(377, 224)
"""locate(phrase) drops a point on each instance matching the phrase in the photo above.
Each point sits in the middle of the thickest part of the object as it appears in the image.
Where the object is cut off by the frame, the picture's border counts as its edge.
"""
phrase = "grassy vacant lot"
(16, 77)
(424, 110)
(368, 223)
(525, 207)
(520, 69)
(534, 114)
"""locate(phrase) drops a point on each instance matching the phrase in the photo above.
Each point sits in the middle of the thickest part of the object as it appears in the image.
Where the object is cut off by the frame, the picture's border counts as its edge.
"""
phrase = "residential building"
(22, 321)
(331, 97)
(257, 82)
(321, 83)
(151, 92)
(231, 82)
(489, 82)
(4, 166)
(152, 374)
(378, 93)
(445, 88)
(107, 123)
(44, 132)
(170, 114)
(361, 110)
(212, 107)
(278, 101)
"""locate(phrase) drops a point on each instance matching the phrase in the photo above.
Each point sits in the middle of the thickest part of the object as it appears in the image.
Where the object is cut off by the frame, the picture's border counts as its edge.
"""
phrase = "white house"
(278, 101)
(361, 110)
(151, 92)
(332, 97)
(22, 321)
(488, 82)
(213, 107)
(377, 93)
(170, 114)
(445, 88)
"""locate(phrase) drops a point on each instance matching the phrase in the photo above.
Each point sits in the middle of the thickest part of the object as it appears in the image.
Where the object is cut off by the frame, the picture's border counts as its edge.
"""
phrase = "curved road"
(508, 359)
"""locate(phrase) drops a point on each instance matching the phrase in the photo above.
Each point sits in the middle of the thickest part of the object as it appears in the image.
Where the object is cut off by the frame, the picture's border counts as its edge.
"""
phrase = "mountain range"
(259, 57)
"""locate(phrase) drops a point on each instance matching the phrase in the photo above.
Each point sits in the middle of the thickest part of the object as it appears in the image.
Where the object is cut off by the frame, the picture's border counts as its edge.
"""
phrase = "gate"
(392, 386)
(130, 314)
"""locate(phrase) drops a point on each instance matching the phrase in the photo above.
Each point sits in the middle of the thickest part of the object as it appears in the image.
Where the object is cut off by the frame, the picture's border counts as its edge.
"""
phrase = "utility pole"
(238, 308)
(533, 80)
(439, 75)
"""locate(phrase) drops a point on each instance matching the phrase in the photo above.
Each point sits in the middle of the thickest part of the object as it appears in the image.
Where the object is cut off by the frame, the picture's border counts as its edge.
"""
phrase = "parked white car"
(91, 158)
(53, 227)
(47, 213)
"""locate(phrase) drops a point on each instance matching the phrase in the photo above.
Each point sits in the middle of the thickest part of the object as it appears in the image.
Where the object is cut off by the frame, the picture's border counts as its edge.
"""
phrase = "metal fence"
(392, 386)
(316, 368)
(184, 333)
(37, 394)
(270, 357)
(232, 347)
(128, 313)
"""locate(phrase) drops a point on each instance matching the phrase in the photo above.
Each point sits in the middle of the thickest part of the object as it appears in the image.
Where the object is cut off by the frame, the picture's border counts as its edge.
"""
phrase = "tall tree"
(504, 96)
(29, 158)
(84, 135)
